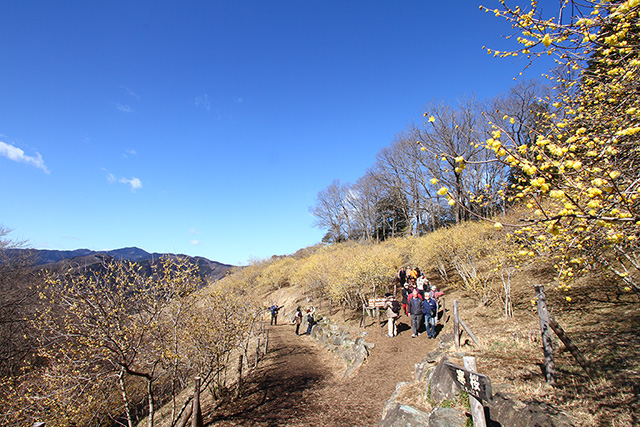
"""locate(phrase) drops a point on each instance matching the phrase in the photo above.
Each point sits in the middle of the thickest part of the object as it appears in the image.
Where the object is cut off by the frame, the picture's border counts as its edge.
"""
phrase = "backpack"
(433, 307)
(395, 306)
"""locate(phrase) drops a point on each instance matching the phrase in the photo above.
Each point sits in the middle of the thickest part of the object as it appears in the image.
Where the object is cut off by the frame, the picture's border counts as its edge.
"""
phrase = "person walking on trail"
(298, 320)
(274, 313)
(416, 310)
(430, 309)
(406, 291)
(435, 295)
(393, 312)
(402, 276)
(310, 320)
(423, 284)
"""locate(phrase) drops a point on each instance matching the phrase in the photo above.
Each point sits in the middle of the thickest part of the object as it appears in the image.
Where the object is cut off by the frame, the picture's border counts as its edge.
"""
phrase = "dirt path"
(300, 383)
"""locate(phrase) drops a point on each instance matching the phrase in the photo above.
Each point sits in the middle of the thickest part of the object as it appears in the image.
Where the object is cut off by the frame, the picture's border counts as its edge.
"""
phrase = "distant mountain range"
(55, 260)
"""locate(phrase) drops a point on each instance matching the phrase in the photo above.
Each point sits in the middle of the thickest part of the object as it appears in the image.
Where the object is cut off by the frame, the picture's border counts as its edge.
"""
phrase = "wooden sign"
(476, 385)
(377, 302)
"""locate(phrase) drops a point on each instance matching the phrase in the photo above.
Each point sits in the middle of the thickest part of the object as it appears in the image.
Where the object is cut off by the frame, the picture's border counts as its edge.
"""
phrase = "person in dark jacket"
(310, 320)
(416, 310)
(430, 309)
(274, 313)
(406, 291)
(298, 320)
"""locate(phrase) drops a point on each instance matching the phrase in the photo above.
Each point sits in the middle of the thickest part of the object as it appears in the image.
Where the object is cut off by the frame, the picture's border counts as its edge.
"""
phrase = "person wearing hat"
(392, 315)
(430, 310)
(406, 291)
(435, 294)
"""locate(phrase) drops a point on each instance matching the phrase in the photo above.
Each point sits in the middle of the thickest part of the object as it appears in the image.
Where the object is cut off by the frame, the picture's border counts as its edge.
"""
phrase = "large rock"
(507, 411)
(396, 414)
(400, 415)
(447, 417)
(422, 369)
(440, 385)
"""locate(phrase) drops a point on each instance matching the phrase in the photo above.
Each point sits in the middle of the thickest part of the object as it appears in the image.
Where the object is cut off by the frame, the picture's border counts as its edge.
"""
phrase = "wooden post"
(570, 346)
(266, 342)
(467, 330)
(257, 353)
(456, 324)
(543, 314)
(196, 421)
(363, 314)
(239, 376)
(344, 312)
(378, 320)
(477, 410)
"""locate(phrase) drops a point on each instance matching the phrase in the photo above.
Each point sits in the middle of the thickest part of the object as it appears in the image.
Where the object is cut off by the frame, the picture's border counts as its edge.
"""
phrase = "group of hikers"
(274, 309)
(419, 301)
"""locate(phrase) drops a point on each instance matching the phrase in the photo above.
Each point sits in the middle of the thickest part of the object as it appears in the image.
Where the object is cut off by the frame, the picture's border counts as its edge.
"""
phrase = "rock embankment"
(348, 345)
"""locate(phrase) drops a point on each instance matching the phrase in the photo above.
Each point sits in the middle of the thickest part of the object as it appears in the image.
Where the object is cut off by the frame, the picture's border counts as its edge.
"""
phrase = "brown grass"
(603, 322)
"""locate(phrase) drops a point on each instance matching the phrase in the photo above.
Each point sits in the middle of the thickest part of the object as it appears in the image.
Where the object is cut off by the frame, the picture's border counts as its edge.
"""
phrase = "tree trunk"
(125, 397)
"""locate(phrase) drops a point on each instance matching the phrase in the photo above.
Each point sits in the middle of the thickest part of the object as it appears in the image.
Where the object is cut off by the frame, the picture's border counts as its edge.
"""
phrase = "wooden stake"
(239, 384)
(456, 324)
(477, 410)
(266, 342)
(444, 312)
(467, 330)
(257, 353)
(570, 346)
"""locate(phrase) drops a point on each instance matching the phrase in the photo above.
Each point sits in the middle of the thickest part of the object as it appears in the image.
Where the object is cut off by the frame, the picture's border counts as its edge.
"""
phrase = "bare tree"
(16, 299)
(332, 211)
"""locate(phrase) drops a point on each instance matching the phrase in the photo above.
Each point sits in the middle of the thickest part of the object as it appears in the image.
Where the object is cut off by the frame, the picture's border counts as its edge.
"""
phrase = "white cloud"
(195, 242)
(134, 182)
(124, 108)
(17, 155)
(129, 152)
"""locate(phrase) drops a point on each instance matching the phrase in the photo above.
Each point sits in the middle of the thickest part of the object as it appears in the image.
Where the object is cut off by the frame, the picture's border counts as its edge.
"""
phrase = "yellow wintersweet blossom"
(434, 181)
(546, 40)
(442, 191)
(432, 119)
(497, 226)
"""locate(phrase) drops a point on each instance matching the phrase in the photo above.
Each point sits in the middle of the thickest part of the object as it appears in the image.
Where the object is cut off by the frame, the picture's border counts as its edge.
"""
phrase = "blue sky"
(208, 127)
